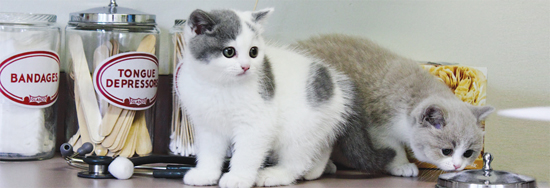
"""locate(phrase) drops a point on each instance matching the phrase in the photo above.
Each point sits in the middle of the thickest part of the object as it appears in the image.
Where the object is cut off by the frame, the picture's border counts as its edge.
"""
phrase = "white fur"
(227, 110)
(449, 163)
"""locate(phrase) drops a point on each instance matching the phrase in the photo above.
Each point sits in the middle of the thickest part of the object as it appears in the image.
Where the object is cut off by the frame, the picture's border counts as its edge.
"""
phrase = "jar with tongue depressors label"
(113, 74)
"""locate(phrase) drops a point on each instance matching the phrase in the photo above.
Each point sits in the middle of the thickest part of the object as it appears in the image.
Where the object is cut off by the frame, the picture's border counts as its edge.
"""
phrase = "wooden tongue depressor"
(85, 89)
(129, 146)
(113, 112)
(119, 124)
(100, 150)
(83, 128)
(123, 135)
(114, 47)
(147, 44)
(110, 119)
(74, 138)
(122, 139)
(144, 145)
(100, 54)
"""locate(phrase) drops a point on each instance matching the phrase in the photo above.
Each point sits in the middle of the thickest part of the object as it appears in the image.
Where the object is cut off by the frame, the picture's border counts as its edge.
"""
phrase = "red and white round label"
(128, 80)
(30, 78)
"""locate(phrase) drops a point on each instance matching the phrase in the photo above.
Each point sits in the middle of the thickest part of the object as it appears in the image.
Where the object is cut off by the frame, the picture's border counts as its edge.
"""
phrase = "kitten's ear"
(481, 112)
(261, 15)
(433, 116)
(201, 22)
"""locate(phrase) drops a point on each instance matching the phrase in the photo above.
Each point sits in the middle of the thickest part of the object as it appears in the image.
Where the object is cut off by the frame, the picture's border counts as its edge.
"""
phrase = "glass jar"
(29, 79)
(111, 55)
(181, 132)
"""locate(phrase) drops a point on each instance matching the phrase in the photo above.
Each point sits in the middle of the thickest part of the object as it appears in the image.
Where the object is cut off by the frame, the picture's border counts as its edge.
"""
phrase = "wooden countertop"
(56, 172)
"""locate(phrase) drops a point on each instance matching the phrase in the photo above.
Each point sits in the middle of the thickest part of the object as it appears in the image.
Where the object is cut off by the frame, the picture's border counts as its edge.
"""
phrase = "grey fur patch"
(267, 84)
(251, 27)
(210, 44)
(354, 148)
(320, 87)
(433, 116)
(257, 16)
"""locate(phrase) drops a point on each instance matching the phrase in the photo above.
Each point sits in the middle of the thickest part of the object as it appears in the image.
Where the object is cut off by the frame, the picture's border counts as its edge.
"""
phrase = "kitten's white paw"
(234, 180)
(201, 177)
(274, 176)
(406, 170)
(330, 168)
(313, 174)
(316, 172)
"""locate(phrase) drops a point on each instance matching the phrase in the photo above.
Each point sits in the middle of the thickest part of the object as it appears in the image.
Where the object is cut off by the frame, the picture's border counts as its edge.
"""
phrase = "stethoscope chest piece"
(98, 167)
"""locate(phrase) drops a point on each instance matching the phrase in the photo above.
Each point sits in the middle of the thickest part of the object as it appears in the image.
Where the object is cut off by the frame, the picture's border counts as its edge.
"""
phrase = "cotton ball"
(121, 168)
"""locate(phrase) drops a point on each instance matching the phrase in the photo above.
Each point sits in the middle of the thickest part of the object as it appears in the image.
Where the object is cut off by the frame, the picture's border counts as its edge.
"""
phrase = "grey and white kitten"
(404, 106)
(260, 100)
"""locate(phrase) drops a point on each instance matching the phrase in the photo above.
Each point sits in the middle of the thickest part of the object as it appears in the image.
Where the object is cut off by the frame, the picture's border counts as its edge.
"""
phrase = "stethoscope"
(105, 167)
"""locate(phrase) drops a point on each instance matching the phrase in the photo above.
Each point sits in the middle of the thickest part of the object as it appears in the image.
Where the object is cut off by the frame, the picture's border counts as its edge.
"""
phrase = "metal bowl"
(485, 178)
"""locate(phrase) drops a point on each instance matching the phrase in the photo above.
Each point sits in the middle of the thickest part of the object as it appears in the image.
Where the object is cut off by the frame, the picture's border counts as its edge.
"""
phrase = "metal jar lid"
(485, 178)
(27, 18)
(112, 15)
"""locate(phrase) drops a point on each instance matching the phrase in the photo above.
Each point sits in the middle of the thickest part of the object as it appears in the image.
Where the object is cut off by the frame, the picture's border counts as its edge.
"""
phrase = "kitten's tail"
(356, 148)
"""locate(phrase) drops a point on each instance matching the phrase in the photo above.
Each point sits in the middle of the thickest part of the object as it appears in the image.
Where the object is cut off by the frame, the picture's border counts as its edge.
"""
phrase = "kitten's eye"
(229, 52)
(447, 152)
(254, 52)
(468, 153)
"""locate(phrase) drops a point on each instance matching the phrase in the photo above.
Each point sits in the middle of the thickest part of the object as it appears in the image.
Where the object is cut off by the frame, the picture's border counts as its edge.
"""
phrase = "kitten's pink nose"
(245, 67)
(456, 167)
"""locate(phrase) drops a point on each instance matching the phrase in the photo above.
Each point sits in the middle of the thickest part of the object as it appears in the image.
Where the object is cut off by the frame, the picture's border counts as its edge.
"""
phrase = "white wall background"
(510, 38)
